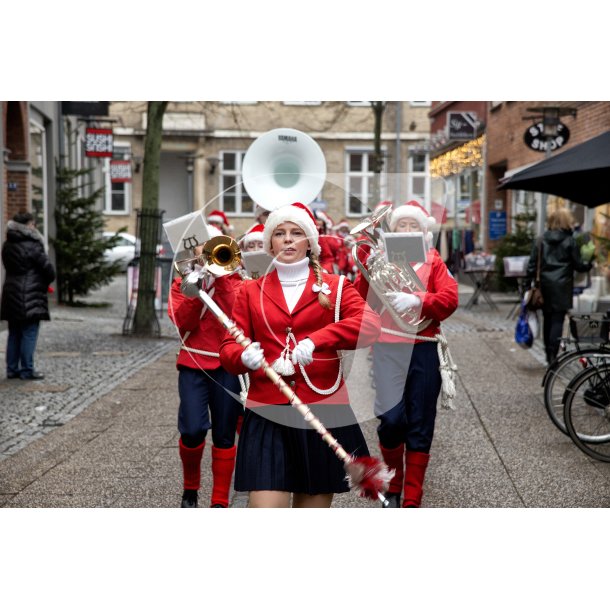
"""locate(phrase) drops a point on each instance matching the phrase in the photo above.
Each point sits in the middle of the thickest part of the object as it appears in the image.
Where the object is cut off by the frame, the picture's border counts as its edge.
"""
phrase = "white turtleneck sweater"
(293, 277)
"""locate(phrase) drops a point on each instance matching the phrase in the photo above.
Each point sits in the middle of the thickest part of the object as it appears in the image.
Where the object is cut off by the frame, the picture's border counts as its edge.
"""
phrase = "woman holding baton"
(298, 318)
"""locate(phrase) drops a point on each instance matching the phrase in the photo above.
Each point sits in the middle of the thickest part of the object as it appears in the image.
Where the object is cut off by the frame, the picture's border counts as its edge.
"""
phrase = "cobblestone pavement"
(83, 355)
(498, 447)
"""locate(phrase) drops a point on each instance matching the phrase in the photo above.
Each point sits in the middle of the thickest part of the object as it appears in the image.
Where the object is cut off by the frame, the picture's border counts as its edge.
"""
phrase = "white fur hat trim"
(415, 211)
(292, 213)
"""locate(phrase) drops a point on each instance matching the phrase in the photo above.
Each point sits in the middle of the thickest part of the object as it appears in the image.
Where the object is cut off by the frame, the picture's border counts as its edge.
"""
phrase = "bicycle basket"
(590, 328)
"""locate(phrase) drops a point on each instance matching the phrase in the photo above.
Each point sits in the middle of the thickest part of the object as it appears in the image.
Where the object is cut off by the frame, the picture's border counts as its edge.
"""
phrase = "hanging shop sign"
(534, 137)
(85, 108)
(461, 125)
(120, 171)
(98, 142)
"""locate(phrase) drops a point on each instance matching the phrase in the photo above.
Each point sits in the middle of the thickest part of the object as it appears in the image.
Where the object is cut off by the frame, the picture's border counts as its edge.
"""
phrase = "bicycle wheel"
(562, 372)
(586, 412)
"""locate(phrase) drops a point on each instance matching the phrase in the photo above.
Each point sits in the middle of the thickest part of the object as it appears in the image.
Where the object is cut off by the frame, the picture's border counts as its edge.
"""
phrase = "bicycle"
(561, 372)
(587, 411)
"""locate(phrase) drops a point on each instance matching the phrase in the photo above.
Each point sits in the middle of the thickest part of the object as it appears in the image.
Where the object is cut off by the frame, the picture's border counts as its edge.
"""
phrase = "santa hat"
(325, 218)
(213, 231)
(414, 210)
(218, 217)
(252, 234)
(259, 211)
(300, 215)
(343, 224)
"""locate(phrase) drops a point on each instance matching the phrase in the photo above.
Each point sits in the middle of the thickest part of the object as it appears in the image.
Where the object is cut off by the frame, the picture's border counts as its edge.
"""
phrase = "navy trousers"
(408, 383)
(20, 346)
(209, 399)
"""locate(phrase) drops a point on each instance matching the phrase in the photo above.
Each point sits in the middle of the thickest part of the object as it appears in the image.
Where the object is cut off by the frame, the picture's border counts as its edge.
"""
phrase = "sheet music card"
(403, 248)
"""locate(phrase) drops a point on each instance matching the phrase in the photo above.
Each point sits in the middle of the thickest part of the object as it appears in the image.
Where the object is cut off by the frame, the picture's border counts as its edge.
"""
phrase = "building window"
(420, 103)
(359, 184)
(117, 195)
(234, 200)
(525, 204)
(38, 162)
(417, 177)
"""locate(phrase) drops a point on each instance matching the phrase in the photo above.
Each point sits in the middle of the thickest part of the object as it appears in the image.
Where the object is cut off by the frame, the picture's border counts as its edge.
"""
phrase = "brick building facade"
(507, 152)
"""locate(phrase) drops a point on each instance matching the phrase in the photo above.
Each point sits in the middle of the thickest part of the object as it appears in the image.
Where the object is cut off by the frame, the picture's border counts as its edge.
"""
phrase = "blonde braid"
(317, 270)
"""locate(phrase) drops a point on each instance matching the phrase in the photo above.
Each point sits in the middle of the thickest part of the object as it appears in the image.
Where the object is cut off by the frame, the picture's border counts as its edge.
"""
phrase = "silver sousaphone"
(283, 166)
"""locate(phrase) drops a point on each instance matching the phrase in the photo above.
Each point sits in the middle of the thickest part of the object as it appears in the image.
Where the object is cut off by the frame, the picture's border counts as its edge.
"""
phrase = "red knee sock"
(394, 459)
(223, 464)
(191, 464)
(416, 463)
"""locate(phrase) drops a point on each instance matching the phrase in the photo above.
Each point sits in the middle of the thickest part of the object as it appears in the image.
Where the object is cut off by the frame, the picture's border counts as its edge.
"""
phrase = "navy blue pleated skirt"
(279, 451)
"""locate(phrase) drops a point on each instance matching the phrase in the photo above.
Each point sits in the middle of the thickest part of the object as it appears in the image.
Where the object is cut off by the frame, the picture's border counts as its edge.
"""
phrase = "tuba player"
(406, 366)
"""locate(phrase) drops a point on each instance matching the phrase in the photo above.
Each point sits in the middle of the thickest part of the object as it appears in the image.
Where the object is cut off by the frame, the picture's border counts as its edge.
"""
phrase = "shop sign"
(497, 224)
(85, 108)
(461, 125)
(120, 171)
(534, 137)
(98, 142)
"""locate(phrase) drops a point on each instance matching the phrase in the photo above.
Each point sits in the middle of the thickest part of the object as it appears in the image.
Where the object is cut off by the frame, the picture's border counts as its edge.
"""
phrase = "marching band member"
(330, 245)
(297, 317)
(207, 391)
(219, 219)
(345, 261)
(252, 240)
(406, 367)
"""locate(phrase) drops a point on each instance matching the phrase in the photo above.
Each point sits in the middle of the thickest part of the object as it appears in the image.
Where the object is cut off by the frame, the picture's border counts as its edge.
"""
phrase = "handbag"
(524, 336)
(533, 298)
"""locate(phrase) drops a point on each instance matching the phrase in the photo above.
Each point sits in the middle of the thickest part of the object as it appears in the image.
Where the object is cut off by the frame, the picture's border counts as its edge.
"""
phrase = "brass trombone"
(220, 256)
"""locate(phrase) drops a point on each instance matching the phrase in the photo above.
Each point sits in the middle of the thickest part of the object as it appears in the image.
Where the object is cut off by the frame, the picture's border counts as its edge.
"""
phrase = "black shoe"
(12, 376)
(189, 499)
(393, 500)
(33, 376)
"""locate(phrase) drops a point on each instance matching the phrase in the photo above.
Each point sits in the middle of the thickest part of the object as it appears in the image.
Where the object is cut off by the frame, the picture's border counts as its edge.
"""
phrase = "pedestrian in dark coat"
(24, 294)
(560, 259)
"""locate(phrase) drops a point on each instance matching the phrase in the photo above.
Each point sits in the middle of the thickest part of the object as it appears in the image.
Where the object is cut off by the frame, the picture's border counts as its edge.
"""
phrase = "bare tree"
(145, 321)
(378, 110)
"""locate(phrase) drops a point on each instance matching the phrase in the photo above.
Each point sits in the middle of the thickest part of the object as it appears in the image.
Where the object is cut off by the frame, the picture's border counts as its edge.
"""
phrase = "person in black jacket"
(560, 259)
(24, 294)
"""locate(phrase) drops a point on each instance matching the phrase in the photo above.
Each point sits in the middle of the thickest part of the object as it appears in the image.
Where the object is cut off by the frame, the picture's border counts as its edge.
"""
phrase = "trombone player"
(406, 359)
(207, 391)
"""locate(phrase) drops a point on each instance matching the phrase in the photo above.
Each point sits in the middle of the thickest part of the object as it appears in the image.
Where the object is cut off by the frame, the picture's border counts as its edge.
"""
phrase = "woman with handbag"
(553, 260)
(298, 317)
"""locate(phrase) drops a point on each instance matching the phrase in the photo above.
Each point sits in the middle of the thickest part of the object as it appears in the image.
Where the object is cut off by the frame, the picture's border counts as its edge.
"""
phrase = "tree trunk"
(145, 321)
(378, 110)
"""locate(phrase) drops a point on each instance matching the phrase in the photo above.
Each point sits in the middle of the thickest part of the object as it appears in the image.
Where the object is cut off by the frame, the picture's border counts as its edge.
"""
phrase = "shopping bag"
(523, 331)
(534, 323)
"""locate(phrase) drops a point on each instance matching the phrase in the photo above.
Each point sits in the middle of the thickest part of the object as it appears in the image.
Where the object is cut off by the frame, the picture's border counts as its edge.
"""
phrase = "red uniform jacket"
(202, 332)
(330, 252)
(261, 312)
(438, 302)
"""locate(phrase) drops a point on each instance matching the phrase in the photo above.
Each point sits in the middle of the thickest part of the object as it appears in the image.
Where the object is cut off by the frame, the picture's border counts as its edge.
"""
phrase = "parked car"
(124, 251)
(126, 248)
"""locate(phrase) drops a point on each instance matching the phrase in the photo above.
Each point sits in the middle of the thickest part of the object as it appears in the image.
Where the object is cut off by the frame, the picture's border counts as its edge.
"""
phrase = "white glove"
(190, 284)
(401, 301)
(253, 356)
(303, 352)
